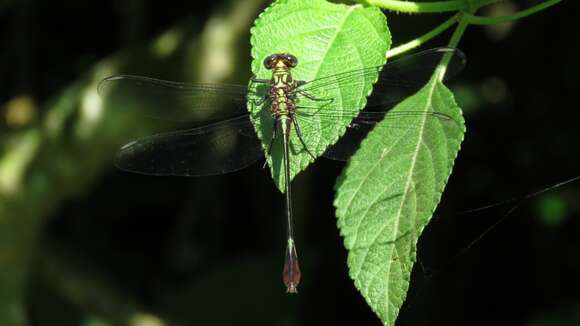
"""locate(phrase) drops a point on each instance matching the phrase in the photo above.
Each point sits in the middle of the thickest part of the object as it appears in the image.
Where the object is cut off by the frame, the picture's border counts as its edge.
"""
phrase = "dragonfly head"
(280, 60)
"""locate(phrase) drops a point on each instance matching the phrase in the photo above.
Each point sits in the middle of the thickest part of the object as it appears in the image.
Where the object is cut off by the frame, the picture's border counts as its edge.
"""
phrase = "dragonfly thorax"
(282, 84)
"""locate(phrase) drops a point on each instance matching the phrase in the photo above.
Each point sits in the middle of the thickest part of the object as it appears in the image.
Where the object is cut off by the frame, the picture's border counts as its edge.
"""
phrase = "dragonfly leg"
(274, 132)
(260, 101)
(259, 80)
(299, 134)
(315, 110)
(260, 91)
(314, 98)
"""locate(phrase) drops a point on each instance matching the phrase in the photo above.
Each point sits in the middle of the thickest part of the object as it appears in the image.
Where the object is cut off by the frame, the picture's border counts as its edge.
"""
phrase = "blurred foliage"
(552, 210)
(83, 244)
(566, 315)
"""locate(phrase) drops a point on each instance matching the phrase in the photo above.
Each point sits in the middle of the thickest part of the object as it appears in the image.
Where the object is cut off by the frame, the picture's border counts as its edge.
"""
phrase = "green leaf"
(389, 191)
(327, 39)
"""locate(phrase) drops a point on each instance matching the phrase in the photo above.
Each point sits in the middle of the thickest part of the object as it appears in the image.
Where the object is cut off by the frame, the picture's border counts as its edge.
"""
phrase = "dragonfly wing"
(175, 101)
(349, 143)
(397, 79)
(218, 148)
(358, 129)
(404, 77)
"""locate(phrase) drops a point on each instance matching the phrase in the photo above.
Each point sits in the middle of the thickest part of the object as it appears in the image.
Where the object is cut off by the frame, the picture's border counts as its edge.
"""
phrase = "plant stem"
(458, 33)
(453, 42)
(427, 7)
(479, 20)
(423, 38)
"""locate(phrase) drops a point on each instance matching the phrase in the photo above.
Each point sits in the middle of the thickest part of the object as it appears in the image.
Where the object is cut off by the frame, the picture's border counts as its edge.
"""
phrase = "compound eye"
(292, 61)
(269, 61)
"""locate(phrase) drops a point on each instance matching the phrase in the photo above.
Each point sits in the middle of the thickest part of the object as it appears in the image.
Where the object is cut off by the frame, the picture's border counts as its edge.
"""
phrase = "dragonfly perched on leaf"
(285, 105)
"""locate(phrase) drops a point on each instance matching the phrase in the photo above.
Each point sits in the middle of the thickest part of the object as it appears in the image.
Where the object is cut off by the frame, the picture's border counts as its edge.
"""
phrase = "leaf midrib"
(403, 199)
(330, 43)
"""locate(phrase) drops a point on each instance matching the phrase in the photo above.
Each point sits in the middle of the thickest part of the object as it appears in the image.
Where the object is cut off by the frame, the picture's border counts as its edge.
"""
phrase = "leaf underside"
(327, 39)
(389, 191)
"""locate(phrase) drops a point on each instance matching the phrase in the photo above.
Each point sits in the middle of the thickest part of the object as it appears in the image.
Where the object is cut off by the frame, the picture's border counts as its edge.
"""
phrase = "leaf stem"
(458, 33)
(423, 38)
(453, 42)
(413, 7)
(480, 20)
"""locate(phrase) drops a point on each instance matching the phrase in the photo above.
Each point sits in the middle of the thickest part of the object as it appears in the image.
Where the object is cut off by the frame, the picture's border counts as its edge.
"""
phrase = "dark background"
(116, 247)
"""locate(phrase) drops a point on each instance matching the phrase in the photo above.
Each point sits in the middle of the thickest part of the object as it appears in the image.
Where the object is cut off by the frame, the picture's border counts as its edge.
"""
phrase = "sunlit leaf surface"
(389, 191)
(327, 39)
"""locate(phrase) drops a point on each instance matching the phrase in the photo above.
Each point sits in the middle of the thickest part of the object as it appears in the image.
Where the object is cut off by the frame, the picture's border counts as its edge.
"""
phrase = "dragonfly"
(285, 103)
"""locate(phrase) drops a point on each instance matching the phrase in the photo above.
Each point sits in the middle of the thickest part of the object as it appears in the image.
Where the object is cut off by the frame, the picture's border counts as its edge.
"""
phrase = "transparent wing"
(174, 101)
(397, 79)
(218, 148)
(358, 129)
